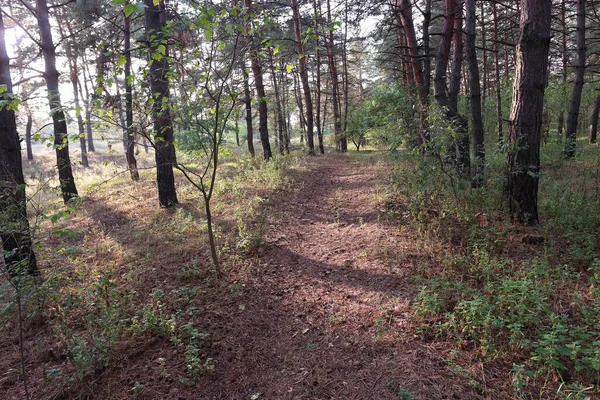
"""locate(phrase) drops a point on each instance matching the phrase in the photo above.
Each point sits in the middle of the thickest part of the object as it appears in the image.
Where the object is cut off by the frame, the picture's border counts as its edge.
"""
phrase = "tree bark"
(422, 79)
(317, 11)
(61, 139)
(304, 78)
(575, 103)
(523, 158)
(497, 74)
(15, 234)
(340, 137)
(459, 146)
(426, 50)
(28, 128)
(248, 107)
(129, 138)
(257, 71)
(164, 150)
(474, 94)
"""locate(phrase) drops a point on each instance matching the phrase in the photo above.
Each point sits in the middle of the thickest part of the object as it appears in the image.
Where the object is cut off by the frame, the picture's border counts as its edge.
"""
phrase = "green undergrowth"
(527, 296)
(118, 272)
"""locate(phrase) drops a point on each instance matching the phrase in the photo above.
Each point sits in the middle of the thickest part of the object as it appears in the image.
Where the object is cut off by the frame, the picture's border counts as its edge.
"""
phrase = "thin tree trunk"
(443, 97)
(346, 75)
(263, 113)
(129, 131)
(575, 103)
(523, 158)
(594, 121)
(304, 78)
(298, 96)
(564, 54)
(426, 51)
(164, 150)
(61, 139)
(406, 20)
(72, 56)
(88, 108)
(317, 11)
(15, 234)
(28, 128)
(497, 74)
(248, 107)
(474, 94)
(340, 137)
(278, 107)
(484, 54)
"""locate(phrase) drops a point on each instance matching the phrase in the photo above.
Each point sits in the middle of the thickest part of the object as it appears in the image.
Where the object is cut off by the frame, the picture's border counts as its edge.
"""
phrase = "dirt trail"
(325, 316)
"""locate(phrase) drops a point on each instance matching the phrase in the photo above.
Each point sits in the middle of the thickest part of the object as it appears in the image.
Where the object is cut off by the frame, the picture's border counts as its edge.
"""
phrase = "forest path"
(325, 315)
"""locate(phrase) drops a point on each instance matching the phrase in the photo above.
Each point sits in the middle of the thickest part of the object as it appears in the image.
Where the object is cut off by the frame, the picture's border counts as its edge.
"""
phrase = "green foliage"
(540, 309)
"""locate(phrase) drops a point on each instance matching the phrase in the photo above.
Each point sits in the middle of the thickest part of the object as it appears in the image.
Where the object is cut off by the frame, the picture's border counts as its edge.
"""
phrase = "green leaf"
(289, 68)
(118, 2)
(130, 9)
(122, 61)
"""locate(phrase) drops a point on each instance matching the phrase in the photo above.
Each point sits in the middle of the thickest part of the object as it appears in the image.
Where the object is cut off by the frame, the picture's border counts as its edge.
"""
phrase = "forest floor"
(321, 308)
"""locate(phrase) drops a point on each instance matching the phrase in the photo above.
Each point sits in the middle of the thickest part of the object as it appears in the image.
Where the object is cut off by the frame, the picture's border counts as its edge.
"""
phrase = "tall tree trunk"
(72, 57)
(523, 158)
(474, 94)
(248, 107)
(88, 108)
(304, 78)
(564, 54)
(317, 11)
(15, 235)
(594, 121)
(298, 96)
(426, 50)
(263, 113)
(574, 105)
(340, 136)
(422, 79)
(497, 74)
(446, 99)
(284, 105)
(346, 75)
(61, 139)
(484, 54)
(278, 107)
(129, 138)
(164, 149)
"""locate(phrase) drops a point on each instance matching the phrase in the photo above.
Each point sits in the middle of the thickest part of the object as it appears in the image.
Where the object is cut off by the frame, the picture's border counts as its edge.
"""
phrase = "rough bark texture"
(421, 78)
(61, 140)
(304, 78)
(257, 71)
(594, 121)
(129, 139)
(159, 88)
(525, 122)
(15, 234)
(474, 94)
(458, 150)
(575, 103)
